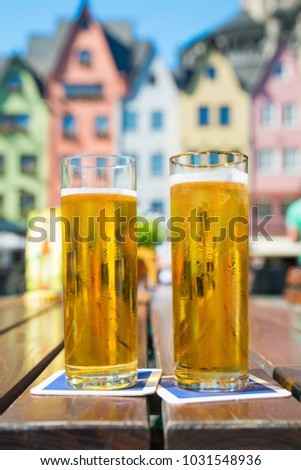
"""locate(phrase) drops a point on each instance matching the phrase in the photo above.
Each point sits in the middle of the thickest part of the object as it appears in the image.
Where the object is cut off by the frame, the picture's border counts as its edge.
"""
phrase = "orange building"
(85, 67)
(82, 94)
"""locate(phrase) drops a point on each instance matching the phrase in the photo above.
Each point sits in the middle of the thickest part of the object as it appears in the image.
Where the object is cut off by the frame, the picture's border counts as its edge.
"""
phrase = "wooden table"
(31, 343)
(247, 424)
(31, 349)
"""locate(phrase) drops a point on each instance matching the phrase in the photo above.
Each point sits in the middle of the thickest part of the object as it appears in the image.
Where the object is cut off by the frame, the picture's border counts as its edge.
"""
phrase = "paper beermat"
(257, 389)
(56, 385)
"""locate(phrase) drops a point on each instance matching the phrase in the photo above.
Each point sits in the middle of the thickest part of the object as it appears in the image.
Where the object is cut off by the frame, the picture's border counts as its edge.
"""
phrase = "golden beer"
(210, 283)
(100, 288)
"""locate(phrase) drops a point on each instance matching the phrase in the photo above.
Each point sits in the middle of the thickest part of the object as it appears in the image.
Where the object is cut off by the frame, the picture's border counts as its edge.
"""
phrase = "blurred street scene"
(96, 87)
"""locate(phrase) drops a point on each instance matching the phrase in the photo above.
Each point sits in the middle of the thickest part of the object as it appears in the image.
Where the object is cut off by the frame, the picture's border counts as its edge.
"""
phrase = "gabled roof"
(287, 16)
(44, 52)
(241, 24)
(121, 52)
(249, 65)
(122, 31)
(7, 63)
(142, 56)
(241, 39)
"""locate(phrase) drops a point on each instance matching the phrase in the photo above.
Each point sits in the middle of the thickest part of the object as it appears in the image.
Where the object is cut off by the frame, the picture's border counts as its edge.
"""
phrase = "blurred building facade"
(95, 88)
(263, 45)
(215, 108)
(24, 126)
(150, 130)
(85, 82)
(277, 138)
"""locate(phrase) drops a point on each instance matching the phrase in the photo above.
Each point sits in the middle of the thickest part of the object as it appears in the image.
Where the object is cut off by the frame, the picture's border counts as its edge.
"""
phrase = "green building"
(23, 141)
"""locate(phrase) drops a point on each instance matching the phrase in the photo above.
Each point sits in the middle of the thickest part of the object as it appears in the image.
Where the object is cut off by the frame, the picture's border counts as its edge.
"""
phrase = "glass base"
(212, 382)
(100, 378)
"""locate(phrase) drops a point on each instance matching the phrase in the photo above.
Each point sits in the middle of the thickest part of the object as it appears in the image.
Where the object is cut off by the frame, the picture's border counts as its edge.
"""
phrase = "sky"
(170, 24)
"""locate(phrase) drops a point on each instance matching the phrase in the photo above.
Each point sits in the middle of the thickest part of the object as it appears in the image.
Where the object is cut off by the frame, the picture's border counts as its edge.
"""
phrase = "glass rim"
(174, 158)
(130, 160)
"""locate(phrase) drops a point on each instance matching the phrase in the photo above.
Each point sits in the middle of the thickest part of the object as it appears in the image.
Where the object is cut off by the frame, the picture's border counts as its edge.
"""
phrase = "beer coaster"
(257, 389)
(56, 385)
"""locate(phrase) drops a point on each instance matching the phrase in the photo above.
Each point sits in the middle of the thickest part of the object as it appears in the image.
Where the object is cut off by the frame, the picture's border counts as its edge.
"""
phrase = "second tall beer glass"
(209, 222)
(99, 266)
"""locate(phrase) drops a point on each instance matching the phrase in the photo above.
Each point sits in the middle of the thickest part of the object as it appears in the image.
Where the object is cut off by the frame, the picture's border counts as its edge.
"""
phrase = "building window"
(292, 160)
(2, 169)
(290, 115)
(224, 116)
(157, 206)
(211, 72)
(101, 126)
(279, 70)
(203, 116)
(84, 57)
(76, 163)
(266, 162)
(27, 203)
(69, 125)
(157, 120)
(28, 164)
(14, 83)
(157, 165)
(77, 92)
(268, 114)
(14, 122)
(264, 208)
(195, 159)
(130, 121)
(102, 162)
(214, 159)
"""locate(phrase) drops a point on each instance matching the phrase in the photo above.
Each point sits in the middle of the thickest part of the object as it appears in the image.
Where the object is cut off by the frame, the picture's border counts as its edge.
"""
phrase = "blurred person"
(292, 290)
(293, 221)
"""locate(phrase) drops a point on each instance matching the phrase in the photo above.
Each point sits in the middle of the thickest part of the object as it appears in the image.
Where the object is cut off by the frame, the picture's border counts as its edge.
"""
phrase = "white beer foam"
(228, 175)
(77, 191)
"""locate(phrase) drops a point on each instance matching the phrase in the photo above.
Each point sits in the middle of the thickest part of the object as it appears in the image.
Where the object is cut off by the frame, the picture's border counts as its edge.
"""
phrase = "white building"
(150, 131)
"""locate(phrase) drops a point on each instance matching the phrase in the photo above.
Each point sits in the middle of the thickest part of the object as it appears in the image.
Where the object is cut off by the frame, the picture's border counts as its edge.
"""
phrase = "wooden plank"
(41, 422)
(14, 312)
(276, 310)
(26, 350)
(275, 341)
(289, 378)
(248, 424)
(17, 312)
(10, 300)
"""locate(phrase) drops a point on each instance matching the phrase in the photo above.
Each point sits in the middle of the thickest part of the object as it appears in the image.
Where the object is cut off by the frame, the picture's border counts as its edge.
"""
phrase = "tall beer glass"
(209, 200)
(98, 199)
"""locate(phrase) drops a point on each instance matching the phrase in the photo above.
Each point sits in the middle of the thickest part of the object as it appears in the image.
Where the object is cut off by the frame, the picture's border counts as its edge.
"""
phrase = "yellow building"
(215, 109)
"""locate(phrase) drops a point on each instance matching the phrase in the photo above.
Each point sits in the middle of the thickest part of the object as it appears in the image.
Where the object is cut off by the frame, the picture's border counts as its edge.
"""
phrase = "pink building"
(277, 139)
(84, 90)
